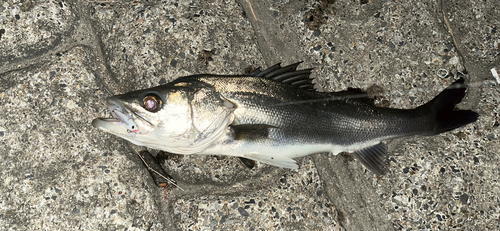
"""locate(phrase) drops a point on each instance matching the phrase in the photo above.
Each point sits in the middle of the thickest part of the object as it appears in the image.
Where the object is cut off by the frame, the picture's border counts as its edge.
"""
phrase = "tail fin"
(443, 106)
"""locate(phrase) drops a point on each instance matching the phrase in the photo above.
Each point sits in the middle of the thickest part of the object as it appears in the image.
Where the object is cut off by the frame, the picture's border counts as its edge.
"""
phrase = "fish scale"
(341, 122)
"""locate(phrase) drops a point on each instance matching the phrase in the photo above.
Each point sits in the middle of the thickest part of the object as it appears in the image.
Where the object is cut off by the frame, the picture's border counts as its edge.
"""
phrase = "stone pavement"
(59, 60)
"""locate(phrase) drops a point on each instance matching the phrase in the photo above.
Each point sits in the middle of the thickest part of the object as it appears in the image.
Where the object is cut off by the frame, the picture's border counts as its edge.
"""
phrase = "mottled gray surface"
(60, 60)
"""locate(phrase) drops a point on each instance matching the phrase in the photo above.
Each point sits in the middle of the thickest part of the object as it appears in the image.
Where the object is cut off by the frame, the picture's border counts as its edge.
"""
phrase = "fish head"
(180, 118)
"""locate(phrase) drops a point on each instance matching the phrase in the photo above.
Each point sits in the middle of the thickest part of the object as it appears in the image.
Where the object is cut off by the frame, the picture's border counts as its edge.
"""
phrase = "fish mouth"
(122, 122)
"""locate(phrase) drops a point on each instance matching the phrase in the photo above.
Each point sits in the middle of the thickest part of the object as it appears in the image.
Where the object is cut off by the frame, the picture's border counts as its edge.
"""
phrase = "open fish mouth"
(121, 123)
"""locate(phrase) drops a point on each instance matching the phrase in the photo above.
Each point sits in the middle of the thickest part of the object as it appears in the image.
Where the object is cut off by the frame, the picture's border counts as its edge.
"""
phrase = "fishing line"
(159, 174)
(442, 73)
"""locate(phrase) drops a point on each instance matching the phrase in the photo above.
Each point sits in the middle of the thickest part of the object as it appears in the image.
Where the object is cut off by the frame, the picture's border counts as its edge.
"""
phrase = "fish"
(273, 117)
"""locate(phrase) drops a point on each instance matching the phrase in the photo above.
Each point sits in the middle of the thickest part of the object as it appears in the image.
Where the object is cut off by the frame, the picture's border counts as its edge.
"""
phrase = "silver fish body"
(273, 116)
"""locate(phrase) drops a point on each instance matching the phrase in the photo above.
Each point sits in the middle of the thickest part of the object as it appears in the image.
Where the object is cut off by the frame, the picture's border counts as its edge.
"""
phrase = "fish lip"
(122, 121)
(110, 125)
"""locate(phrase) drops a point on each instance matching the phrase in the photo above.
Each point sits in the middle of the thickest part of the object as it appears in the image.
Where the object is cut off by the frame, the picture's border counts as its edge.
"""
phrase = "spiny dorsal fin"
(373, 158)
(287, 74)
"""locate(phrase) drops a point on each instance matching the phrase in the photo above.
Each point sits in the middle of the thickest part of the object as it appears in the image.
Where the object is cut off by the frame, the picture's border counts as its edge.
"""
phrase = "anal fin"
(373, 158)
(283, 162)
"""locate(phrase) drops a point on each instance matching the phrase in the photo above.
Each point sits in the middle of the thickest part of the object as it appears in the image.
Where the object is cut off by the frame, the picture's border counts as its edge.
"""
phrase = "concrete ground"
(59, 60)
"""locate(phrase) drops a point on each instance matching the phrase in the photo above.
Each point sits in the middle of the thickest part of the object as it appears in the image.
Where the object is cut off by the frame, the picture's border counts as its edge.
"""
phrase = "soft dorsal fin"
(354, 94)
(287, 74)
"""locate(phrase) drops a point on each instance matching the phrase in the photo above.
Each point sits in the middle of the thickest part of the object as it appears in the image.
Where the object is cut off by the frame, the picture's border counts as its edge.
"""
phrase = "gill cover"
(210, 115)
(184, 116)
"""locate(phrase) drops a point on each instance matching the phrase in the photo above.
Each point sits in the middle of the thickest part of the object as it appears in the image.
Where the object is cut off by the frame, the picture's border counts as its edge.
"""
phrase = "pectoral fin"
(250, 131)
(255, 133)
(283, 162)
(373, 158)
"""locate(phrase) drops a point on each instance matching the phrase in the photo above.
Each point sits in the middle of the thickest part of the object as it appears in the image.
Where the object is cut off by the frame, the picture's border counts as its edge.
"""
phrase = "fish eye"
(152, 103)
